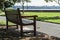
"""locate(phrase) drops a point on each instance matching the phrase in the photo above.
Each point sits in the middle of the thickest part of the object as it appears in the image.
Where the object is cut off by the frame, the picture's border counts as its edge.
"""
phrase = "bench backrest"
(13, 15)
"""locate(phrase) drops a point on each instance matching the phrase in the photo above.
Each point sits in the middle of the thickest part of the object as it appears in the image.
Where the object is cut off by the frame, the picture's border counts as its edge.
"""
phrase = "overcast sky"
(39, 3)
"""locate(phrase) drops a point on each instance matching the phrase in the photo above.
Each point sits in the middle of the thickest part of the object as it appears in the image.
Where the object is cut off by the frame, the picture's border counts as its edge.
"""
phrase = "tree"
(1, 4)
(8, 4)
(5, 3)
(23, 3)
(14, 1)
(49, 0)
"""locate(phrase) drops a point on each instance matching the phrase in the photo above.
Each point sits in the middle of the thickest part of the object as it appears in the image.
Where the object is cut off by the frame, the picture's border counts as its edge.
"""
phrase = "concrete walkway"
(48, 28)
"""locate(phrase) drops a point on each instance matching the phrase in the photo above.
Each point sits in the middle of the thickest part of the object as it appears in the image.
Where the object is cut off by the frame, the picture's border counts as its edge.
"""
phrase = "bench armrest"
(34, 18)
(29, 16)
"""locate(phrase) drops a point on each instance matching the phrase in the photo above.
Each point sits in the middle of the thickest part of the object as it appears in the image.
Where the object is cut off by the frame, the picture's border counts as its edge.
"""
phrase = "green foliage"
(46, 0)
(2, 0)
(3, 22)
(49, 0)
(14, 1)
(1, 3)
(8, 4)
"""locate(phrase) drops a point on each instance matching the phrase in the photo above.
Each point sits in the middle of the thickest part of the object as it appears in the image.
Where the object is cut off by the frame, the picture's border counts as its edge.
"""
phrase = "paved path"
(48, 28)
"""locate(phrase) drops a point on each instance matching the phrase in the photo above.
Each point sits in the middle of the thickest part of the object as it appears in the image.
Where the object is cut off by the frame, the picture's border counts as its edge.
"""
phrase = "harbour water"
(38, 7)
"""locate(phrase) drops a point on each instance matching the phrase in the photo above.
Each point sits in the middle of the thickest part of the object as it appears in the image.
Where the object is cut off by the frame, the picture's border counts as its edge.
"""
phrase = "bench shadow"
(12, 34)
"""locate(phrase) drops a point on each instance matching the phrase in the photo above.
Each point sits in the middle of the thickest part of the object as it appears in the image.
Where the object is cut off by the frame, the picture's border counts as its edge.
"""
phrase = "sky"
(39, 3)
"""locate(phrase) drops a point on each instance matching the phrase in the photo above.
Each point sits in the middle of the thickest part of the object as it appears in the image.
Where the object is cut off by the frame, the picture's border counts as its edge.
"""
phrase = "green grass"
(43, 14)
(46, 16)
(56, 21)
(40, 14)
(3, 22)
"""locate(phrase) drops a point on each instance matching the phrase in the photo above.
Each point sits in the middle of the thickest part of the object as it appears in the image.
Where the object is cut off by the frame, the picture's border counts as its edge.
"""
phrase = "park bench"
(14, 16)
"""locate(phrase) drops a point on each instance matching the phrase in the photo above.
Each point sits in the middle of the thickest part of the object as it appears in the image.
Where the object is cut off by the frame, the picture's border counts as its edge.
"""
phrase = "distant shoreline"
(38, 8)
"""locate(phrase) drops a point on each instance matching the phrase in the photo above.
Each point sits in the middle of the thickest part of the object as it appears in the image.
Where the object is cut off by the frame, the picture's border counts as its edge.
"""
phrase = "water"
(38, 7)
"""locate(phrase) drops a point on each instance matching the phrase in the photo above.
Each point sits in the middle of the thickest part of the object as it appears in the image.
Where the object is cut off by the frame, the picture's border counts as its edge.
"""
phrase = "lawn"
(53, 17)
(43, 14)
(3, 22)
(46, 16)
(56, 20)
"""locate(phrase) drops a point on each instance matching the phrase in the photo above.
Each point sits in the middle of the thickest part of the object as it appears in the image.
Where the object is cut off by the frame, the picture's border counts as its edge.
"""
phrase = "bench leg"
(34, 30)
(17, 26)
(34, 26)
(21, 27)
(6, 24)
